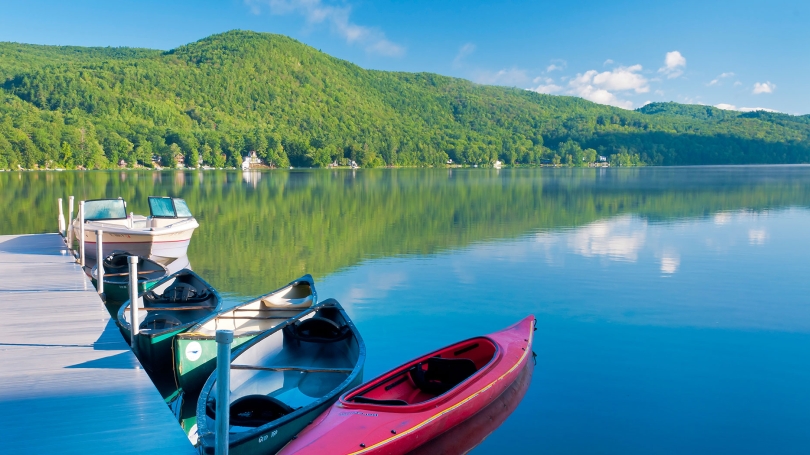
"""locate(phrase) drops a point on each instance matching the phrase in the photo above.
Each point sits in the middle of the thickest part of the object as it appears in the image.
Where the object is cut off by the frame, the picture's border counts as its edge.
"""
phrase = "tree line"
(216, 100)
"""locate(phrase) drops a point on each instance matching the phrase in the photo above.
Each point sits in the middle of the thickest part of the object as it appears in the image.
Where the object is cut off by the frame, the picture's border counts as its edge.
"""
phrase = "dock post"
(224, 340)
(133, 302)
(61, 219)
(70, 224)
(81, 229)
(99, 264)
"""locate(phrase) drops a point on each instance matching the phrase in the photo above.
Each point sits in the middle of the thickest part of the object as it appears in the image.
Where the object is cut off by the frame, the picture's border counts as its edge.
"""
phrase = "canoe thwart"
(291, 368)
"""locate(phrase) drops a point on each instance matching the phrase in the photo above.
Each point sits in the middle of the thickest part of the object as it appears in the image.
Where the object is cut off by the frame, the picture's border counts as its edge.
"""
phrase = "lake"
(673, 304)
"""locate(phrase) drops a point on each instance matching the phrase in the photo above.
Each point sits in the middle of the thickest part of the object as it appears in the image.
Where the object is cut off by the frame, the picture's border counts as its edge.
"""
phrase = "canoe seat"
(178, 293)
(366, 400)
(319, 330)
(252, 410)
(157, 321)
(441, 374)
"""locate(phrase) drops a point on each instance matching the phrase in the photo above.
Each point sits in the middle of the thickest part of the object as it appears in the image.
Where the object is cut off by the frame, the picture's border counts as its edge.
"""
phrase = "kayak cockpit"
(429, 377)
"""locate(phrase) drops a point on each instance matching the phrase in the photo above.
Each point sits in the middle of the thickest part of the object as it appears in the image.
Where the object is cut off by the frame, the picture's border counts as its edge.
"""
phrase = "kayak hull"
(350, 427)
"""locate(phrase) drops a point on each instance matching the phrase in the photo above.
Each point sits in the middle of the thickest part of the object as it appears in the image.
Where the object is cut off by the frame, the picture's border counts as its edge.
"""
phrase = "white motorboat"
(163, 236)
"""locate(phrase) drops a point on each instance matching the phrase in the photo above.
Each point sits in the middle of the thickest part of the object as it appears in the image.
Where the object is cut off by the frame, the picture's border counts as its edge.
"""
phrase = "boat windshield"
(167, 207)
(105, 209)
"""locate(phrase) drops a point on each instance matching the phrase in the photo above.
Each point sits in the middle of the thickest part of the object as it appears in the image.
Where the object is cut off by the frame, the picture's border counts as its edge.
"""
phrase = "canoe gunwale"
(307, 278)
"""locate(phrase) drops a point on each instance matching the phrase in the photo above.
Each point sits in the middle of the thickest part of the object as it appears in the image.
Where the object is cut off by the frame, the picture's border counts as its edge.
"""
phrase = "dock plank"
(70, 382)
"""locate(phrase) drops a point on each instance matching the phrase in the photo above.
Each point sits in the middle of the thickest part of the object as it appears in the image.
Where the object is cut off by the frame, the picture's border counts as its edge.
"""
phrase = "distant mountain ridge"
(215, 100)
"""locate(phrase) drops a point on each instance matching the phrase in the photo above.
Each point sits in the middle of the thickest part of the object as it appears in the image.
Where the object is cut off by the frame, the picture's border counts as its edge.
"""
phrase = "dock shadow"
(121, 361)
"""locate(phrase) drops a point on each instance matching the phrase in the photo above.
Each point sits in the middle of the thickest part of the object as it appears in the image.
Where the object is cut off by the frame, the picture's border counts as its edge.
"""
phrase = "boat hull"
(354, 428)
(152, 244)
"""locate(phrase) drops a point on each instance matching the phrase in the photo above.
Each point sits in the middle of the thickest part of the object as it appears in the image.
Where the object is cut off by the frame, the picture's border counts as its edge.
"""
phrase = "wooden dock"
(68, 381)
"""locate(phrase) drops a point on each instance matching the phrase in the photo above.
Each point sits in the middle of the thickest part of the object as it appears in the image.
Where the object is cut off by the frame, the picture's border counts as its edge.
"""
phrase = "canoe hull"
(273, 441)
(195, 358)
(353, 428)
(119, 292)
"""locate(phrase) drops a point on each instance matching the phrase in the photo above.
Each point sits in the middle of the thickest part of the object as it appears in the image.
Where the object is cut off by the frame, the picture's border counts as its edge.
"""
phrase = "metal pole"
(133, 301)
(70, 223)
(81, 229)
(224, 340)
(61, 219)
(99, 264)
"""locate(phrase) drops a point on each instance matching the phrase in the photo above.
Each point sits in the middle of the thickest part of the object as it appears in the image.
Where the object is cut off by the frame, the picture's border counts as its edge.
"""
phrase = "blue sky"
(735, 54)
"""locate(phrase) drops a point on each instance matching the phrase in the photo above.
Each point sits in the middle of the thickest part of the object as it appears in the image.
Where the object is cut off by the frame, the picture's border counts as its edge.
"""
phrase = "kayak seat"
(157, 321)
(367, 400)
(319, 330)
(441, 374)
(252, 410)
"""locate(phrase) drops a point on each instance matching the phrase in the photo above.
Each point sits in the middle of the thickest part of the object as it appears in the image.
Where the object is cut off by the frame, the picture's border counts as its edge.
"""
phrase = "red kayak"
(416, 402)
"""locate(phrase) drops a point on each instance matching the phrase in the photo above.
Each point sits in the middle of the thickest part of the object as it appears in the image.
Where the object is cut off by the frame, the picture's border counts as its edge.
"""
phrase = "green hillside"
(219, 98)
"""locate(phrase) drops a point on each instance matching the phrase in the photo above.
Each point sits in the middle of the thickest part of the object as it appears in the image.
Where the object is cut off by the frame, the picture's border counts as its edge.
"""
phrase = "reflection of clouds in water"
(376, 286)
(619, 239)
(670, 263)
(757, 236)
(722, 218)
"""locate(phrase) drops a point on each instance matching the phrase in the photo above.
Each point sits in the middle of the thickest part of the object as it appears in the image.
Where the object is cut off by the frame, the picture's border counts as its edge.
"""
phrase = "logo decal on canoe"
(193, 351)
(359, 413)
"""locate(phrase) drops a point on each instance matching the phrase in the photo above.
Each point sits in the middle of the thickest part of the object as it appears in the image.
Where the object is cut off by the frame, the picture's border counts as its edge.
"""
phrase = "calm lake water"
(673, 304)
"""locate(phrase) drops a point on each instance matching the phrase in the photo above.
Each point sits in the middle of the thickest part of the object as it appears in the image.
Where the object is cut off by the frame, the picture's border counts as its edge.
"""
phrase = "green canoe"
(283, 379)
(116, 275)
(195, 350)
(174, 305)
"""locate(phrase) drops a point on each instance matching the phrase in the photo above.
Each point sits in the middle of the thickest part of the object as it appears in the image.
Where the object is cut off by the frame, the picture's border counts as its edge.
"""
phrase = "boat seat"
(157, 321)
(178, 293)
(252, 410)
(367, 400)
(319, 330)
(441, 374)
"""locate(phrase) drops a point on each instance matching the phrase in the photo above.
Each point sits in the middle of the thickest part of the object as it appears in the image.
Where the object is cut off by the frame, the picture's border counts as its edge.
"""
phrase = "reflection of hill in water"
(259, 232)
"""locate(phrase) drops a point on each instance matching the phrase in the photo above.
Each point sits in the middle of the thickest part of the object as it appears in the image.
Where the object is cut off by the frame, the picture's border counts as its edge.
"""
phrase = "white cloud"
(511, 77)
(726, 107)
(608, 62)
(764, 87)
(737, 83)
(674, 63)
(718, 79)
(659, 92)
(731, 107)
(556, 65)
(465, 50)
(548, 86)
(599, 87)
(338, 19)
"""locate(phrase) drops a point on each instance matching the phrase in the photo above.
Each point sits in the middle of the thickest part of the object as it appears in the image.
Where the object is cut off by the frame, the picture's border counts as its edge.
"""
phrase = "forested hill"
(219, 98)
